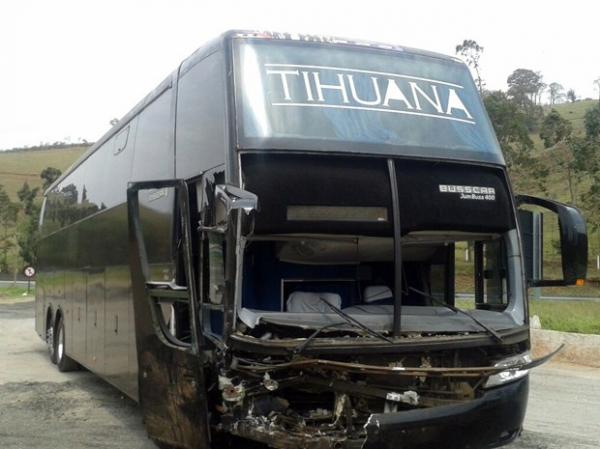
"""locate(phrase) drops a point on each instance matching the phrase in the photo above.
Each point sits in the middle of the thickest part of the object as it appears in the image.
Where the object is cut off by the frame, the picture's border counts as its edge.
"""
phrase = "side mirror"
(552, 259)
(227, 199)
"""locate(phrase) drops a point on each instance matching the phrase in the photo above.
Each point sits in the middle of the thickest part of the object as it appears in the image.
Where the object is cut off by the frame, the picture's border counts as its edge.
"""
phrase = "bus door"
(170, 365)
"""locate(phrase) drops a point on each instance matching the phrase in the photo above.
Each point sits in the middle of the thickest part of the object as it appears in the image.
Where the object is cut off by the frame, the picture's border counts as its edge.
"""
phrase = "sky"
(68, 67)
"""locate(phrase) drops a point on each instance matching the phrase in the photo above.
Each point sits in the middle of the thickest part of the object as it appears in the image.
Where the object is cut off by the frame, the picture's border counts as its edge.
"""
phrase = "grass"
(16, 167)
(574, 112)
(13, 292)
(581, 317)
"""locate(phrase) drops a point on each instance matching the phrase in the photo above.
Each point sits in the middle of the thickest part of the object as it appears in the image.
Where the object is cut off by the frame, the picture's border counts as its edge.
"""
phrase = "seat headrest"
(309, 302)
(376, 293)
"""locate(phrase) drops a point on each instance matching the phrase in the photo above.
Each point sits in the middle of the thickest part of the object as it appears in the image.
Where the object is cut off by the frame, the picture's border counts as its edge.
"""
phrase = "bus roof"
(219, 43)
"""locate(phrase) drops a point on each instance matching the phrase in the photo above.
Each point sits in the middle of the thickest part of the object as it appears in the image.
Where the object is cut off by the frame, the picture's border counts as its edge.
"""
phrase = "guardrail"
(552, 298)
(9, 284)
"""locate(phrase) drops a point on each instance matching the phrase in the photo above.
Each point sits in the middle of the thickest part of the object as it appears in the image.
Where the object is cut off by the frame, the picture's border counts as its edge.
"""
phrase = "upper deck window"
(318, 96)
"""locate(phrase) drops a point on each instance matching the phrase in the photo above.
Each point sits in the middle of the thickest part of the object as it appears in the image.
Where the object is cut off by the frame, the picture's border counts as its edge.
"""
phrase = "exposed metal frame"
(139, 249)
(396, 328)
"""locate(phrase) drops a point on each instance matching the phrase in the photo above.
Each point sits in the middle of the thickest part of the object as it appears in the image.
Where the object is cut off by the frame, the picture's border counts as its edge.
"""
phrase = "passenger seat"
(309, 302)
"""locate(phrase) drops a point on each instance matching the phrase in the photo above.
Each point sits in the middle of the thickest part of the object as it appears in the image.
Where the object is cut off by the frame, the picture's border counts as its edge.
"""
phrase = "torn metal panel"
(409, 343)
(477, 371)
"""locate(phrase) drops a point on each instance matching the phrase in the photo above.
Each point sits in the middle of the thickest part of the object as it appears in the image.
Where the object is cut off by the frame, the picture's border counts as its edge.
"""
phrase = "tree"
(592, 122)
(556, 133)
(525, 84)
(555, 129)
(586, 159)
(509, 123)
(537, 97)
(471, 52)
(555, 91)
(49, 175)
(27, 197)
(597, 84)
(586, 162)
(8, 219)
(27, 234)
(571, 95)
(27, 237)
(525, 90)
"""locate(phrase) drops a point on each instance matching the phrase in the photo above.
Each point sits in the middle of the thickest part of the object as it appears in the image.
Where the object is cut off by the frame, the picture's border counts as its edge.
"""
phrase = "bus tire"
(50, 343)
(63, 361)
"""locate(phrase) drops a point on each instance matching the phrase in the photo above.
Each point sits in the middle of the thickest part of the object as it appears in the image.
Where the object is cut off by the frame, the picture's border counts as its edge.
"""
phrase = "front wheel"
(63, 361)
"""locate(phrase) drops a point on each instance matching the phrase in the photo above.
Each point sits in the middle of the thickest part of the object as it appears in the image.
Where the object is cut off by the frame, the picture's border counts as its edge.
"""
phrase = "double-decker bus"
(269, 246)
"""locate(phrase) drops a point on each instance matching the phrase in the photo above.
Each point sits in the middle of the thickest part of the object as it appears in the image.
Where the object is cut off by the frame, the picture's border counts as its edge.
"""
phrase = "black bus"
(269, 247)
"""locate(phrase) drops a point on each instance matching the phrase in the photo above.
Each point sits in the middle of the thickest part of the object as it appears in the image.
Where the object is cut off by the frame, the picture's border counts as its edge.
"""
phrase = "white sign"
(470, 192)
(29, 272)
(302, 86)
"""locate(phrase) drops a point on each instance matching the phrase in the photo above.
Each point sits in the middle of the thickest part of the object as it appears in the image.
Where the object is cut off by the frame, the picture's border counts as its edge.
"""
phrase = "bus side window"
(495, 273)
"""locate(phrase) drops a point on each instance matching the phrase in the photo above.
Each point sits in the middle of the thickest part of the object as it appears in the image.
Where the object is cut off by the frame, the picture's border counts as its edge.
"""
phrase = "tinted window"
(94, 175)
(81, 194)
(331, 97)
(119, 162)
(153, 144)
(201, 117)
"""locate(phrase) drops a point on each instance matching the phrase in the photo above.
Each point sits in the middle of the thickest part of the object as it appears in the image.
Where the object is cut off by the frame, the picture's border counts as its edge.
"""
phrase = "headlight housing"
(510, 374)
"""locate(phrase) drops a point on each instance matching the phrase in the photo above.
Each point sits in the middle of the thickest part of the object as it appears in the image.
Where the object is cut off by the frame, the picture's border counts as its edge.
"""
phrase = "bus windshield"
(325, 230)
(307, 96)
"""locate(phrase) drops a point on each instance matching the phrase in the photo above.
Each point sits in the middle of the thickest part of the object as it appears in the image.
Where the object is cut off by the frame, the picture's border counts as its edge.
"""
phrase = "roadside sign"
(29, 272)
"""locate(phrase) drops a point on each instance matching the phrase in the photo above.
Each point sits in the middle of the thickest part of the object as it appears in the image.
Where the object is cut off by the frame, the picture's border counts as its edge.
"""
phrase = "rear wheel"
(63, 361)
(50, 343)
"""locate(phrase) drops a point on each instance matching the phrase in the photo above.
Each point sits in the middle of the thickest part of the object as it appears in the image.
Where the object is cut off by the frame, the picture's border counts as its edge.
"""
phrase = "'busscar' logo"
(470, 192)
(367, 90)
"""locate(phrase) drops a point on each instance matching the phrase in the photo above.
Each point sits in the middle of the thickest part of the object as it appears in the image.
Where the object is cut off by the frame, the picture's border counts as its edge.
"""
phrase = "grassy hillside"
(557, 187)
(18, 166)
(25, 165)
(574, 112)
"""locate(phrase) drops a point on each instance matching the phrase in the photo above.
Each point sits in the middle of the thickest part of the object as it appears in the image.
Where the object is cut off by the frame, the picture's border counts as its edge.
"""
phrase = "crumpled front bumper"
(490, 421)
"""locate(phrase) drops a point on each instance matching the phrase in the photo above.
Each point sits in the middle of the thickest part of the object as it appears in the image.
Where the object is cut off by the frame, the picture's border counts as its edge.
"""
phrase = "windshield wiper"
(355, 322)
(302, 346)
(491, 331)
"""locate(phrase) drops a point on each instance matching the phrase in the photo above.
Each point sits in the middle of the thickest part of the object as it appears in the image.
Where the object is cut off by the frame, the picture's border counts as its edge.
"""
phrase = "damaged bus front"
(323, 263)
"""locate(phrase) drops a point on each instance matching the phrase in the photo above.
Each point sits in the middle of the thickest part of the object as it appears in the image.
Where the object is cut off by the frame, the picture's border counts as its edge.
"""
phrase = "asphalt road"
(41, 408)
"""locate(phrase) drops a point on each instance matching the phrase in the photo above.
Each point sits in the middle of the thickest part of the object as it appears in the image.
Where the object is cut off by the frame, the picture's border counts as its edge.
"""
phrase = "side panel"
(132, 378)
(83, 251)
(78, 288)
(95, 320)
(116, 325)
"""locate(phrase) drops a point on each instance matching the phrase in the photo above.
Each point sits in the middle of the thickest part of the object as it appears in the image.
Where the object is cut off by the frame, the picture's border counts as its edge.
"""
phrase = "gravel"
(41, 408)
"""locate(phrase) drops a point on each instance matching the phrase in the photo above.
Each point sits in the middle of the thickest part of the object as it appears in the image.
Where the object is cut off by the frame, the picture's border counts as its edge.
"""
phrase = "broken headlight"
(511, 373)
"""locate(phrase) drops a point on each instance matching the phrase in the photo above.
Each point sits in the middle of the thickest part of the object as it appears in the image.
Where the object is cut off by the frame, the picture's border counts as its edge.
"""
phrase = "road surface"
(41, 408)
